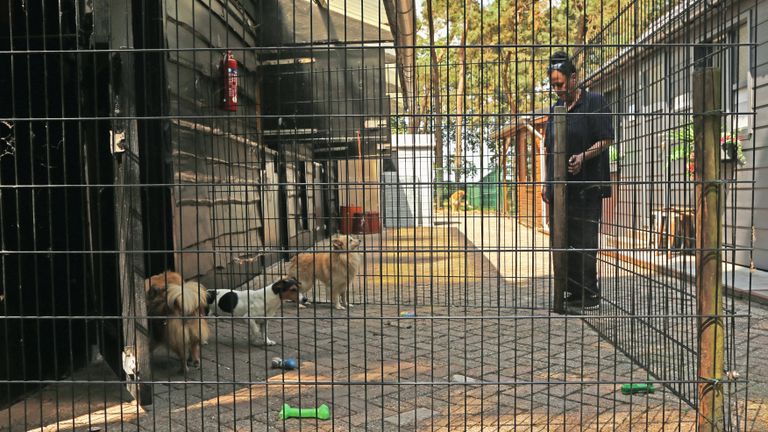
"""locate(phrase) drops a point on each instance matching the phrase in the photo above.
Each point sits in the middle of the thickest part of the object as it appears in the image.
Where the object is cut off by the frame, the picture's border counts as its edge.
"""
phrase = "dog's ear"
(279, 286)
(338, 241)
(288, 282)
(150, 288)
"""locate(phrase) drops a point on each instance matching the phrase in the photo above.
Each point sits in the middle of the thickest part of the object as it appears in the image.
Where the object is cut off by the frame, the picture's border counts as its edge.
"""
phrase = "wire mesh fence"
(383, 215)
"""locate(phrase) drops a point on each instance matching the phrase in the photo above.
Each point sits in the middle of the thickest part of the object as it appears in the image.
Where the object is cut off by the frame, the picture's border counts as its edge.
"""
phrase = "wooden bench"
(674, 228)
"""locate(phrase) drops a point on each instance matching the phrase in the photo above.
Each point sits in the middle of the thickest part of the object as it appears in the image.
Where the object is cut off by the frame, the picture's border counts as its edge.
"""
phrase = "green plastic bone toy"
(322, 412)
(633, 388)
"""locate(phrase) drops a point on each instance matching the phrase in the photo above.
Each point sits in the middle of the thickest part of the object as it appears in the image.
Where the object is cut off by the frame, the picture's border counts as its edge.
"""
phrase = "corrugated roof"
(368, 11)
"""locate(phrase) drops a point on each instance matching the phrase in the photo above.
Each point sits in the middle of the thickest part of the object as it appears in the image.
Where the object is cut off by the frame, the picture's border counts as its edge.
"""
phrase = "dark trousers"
(582, 230)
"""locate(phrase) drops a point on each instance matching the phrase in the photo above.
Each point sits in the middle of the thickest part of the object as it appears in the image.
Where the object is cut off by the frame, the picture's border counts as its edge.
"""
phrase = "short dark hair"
(560, 61)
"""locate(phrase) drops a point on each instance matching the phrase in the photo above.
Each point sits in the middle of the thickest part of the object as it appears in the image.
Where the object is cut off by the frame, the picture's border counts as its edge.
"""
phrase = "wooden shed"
(159, 176)
(524, 138)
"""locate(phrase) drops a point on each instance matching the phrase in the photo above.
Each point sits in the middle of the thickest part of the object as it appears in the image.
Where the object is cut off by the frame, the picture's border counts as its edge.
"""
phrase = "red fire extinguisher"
(229, 72)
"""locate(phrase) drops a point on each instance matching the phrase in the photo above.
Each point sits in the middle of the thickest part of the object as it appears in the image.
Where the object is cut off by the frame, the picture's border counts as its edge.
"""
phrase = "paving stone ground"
(483, 352)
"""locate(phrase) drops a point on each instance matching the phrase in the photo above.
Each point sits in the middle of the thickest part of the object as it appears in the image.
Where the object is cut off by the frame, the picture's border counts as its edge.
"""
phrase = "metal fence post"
(709, 282)
(559, 215)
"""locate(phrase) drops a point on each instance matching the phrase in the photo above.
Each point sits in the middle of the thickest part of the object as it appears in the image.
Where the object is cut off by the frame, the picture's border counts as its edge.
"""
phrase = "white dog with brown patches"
(254, 305)
(336, 269)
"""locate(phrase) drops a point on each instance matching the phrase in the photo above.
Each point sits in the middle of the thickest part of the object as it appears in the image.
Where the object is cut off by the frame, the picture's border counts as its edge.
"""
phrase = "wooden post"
(130, 334)
(559, 219)
(709, 281)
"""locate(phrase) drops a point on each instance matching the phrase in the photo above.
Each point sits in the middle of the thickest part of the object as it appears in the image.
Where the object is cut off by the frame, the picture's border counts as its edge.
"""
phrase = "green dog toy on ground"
(322, 412)
(637, 388)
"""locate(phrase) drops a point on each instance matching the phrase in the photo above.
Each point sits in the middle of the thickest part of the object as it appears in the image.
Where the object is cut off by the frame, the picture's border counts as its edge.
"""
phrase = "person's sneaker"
(579, 306)
(574, 307)
(591, 302)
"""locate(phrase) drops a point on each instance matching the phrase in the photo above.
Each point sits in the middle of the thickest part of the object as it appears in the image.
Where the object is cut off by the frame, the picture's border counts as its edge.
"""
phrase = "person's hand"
(544, 196)
(575, 163)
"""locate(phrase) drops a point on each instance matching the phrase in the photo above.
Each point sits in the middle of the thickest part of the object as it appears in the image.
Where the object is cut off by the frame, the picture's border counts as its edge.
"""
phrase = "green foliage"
(682, 134)
(507, 47)
(680, 151)
(398, 124)
(682, 142)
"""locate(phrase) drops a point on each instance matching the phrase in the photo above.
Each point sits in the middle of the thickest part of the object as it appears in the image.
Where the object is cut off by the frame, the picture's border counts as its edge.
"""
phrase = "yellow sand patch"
(408, 254)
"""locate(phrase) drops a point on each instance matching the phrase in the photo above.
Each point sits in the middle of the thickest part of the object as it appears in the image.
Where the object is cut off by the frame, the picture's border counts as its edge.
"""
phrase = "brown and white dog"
(336, 269)
(176, 310)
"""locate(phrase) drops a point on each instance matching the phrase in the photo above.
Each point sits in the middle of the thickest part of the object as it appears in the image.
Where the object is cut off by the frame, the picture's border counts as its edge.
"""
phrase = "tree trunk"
(506, 142)
(437, 128)
(581, 35)
(424, 120)
(460, 102)
(414, 125)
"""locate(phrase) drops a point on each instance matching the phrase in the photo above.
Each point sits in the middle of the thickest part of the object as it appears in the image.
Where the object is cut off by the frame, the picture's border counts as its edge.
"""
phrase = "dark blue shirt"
(588, 122)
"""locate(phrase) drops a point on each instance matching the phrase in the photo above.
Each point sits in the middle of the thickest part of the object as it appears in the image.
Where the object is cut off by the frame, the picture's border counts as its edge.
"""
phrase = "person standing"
(589, 133)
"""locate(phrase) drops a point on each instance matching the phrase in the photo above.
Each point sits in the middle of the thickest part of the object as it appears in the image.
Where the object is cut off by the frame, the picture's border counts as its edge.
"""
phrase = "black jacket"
(587, 123)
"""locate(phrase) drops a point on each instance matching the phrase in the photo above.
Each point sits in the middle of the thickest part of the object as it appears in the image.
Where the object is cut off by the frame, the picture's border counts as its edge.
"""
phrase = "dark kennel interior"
(58, 284)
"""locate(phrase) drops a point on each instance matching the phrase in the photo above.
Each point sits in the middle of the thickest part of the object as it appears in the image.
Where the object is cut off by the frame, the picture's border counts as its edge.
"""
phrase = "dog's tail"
(188, 299)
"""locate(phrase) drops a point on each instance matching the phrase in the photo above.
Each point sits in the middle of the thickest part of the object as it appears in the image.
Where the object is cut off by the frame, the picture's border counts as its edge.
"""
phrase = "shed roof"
(539, 116)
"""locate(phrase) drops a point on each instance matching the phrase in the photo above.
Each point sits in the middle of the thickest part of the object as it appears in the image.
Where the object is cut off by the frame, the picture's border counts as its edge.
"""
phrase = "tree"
(436, 105)
(460, 99)
(491, 55)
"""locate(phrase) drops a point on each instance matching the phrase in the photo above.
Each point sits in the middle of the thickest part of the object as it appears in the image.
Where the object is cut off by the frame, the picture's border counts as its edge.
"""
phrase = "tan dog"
(175, 310)
(335, 269)
(457, 198)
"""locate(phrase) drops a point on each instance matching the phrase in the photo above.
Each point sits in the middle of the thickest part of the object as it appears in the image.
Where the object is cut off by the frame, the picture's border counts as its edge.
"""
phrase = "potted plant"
(732, 150)
(682, 149)
(730, 144)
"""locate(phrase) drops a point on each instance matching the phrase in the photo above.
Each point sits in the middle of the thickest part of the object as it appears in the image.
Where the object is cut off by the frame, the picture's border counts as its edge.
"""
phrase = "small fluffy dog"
(457, 198)
(254, 305)
(335, 269)
(175, 310)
